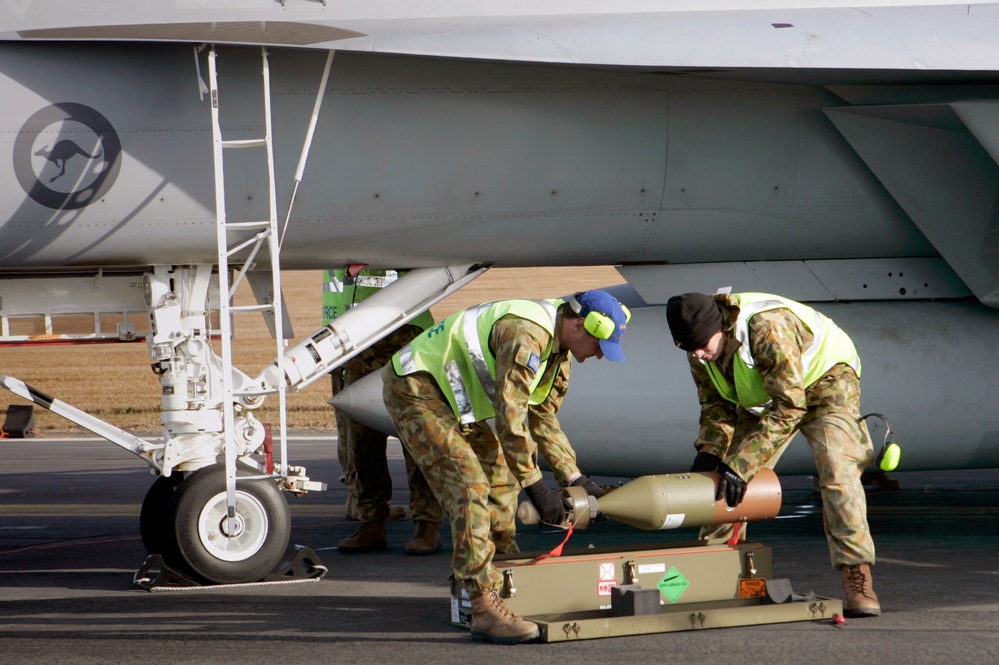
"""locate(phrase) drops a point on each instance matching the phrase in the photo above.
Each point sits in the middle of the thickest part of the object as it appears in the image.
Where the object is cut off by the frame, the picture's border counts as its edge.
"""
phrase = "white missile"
(362, 326)
(363, 402)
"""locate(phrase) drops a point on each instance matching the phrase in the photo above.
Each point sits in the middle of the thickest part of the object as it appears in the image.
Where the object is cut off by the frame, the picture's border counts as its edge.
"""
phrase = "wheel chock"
(299, 563)
(147, 577)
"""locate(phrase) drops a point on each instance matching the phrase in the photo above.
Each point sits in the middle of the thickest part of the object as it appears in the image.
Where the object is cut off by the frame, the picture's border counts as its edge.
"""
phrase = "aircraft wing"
(914, 36)
(841, 54)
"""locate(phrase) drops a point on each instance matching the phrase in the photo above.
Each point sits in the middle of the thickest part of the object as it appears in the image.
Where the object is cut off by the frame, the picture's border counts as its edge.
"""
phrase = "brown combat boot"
(426, 540)
(492, 621)
(369, 537)
(861, 601)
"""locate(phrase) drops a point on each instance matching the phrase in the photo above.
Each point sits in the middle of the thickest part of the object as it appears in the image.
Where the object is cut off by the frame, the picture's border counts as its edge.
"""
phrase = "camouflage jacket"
(525, 431)
(777, 339)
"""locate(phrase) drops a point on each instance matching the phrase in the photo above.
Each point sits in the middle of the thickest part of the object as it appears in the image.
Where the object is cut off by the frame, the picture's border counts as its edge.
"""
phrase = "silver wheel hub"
(233, 538)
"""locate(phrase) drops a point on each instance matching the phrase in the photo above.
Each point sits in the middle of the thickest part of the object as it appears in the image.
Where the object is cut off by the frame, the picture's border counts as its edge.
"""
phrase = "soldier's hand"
(591, 487)
(547, 501)
(730, 485)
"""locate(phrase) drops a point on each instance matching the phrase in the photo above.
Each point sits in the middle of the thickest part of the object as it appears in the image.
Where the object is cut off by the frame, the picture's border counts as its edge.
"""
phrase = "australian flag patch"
(534, 362)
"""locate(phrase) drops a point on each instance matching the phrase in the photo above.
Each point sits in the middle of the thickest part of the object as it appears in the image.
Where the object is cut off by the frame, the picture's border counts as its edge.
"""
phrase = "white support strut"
(363, 325)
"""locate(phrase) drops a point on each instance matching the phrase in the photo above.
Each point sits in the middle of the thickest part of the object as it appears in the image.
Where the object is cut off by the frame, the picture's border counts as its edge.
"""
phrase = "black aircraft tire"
(154, 525)
(260, 534)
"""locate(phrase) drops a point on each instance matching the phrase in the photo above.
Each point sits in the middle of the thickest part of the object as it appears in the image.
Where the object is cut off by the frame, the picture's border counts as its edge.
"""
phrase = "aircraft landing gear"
(188, 524)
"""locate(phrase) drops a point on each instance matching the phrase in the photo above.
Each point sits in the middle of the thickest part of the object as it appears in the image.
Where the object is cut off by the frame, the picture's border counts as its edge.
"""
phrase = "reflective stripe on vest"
(376, 281)
(333, 284)
(369, 282)
(470, 329)
(830, 346)
(340, 293)
(467, 334)
(478, 355)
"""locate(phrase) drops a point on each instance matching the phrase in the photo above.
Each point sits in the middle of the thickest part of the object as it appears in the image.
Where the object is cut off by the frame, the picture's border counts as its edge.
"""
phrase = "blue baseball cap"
(609, 327)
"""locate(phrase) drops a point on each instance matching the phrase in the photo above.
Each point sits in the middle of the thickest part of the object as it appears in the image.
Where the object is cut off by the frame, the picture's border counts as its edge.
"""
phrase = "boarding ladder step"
(246, 143)
(227, 247)
(263, 224)
(251, 308)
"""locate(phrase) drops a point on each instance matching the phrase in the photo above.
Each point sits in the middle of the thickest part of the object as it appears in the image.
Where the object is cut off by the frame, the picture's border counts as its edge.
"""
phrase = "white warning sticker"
(674, 521)
(604, 588)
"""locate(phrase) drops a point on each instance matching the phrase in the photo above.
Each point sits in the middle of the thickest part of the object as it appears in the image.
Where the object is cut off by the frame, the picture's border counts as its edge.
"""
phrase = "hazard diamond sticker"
(673, 584)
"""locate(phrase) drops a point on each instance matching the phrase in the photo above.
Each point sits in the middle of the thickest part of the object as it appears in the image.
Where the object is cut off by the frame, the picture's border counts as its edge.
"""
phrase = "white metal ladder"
(266, 232)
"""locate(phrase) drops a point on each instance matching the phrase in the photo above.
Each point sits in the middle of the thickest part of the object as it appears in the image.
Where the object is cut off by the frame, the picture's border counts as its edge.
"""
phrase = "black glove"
(730, 485)
(705, 462)
(547, 501)
(591, 487)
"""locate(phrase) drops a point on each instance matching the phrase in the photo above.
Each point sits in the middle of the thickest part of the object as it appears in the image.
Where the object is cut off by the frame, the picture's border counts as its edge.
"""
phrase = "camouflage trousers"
(842, 450)
(361, 450)
(467, 471)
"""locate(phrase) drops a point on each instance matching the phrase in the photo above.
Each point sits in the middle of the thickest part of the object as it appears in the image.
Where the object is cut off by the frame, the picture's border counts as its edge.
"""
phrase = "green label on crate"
(673, 584)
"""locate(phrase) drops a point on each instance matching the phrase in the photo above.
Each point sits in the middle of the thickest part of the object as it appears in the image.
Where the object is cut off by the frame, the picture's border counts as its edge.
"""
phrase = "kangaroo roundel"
(67, 156)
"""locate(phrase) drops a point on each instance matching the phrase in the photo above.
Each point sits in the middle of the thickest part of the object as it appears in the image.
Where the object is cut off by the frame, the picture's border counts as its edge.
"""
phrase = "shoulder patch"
(534, 362)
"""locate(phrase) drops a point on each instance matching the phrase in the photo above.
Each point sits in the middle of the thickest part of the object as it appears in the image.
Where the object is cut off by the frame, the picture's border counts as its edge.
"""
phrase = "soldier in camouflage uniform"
(765, 368)
(508, 360)
(361, 449)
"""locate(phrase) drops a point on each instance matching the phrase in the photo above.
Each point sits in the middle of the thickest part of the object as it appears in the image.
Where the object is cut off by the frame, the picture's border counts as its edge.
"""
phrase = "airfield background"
(114, 382)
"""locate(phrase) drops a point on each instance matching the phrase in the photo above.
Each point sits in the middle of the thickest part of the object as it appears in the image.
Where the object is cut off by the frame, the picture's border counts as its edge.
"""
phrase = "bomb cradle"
(668, 501)
(617, 590)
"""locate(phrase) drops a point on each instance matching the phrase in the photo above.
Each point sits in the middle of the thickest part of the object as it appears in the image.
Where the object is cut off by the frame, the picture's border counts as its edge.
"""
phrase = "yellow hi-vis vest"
(337, 295)
(456, 352)
(830, 346)
(341, 292)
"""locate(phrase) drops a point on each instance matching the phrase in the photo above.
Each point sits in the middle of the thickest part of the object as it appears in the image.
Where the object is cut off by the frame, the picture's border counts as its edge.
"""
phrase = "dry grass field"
(114, 381)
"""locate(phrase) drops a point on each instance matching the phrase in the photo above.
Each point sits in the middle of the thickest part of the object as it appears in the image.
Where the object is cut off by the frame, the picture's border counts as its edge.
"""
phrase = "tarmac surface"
(69, 547)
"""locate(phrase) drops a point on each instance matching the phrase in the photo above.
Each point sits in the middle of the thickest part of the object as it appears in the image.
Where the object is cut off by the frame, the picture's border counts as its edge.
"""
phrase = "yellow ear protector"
(596, 323)
(891, 452)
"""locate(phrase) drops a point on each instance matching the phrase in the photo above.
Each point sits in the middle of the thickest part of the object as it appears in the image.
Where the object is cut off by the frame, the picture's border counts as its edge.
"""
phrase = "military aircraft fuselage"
(106, 159)
(841, 189)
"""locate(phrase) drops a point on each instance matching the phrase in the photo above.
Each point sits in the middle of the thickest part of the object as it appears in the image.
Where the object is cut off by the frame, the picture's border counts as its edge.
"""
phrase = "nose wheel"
(153, 525)
(198, 536)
